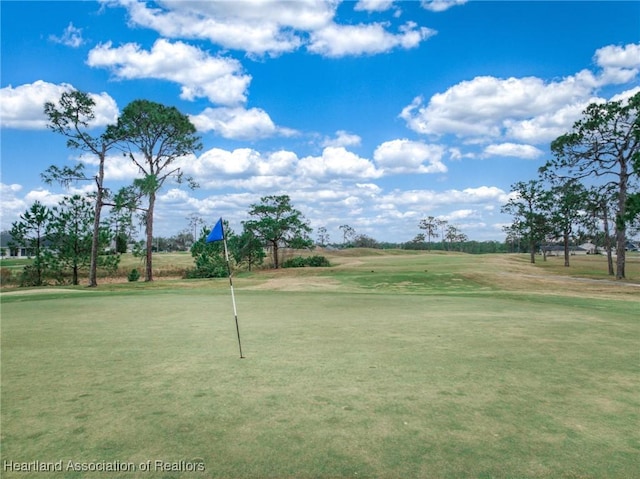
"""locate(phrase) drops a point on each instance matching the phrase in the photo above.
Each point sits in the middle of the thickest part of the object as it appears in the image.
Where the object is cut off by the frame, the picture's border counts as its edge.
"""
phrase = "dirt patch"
(293, 283)
(42, 290)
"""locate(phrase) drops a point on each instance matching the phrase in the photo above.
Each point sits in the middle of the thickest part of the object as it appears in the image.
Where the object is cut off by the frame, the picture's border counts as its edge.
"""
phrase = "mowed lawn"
(390, 365)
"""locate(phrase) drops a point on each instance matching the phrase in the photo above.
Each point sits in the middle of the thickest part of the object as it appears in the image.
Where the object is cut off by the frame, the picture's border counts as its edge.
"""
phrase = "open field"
(387, 365)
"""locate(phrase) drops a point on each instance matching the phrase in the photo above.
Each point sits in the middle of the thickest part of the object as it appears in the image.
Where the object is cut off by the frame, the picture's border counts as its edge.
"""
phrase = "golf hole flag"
(217, 234)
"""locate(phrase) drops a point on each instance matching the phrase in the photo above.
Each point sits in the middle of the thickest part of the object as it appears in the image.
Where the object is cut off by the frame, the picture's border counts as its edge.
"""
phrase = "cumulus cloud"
(23, 106)
(199, 74)
(620, 64)
(337, 162)
(528, 109)
(274, 27)
(405, 156)
(241, 161)
(116, 167)
(239, 123)
(546, 127)
(365, 39)
(480, 107)
(616, 56)
(513, 150)
(257, 27)
(12, 205)
(44, 196)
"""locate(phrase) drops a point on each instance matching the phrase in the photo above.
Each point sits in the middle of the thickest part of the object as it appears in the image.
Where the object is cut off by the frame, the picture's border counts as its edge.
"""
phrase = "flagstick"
(233, 297)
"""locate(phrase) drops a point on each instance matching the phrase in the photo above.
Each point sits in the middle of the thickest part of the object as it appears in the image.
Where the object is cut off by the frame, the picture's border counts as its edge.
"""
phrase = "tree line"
(589, 187)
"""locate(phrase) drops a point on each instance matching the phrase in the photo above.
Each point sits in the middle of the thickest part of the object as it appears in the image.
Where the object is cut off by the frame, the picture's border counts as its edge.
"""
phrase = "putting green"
(388, 377)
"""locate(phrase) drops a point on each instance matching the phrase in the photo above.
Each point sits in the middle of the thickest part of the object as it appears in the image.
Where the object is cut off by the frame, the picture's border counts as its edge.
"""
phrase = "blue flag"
(217, 234)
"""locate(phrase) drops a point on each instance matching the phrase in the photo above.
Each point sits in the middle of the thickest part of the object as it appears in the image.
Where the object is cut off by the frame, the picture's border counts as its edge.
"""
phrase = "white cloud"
(615, 56)
(229, 163)
(365, 39)
(513, 150)
(219, 79)
(480, 107)
(274, 27)
(116, 167)
(373, 5)
(23, 106)
(257, 27)
(71, 37)
(405, 156)
(337, 162)
(528, 109)
(546, 127)
(619, 64)
(12, 205)
(430, 199)
(457, 215)
(343, 138)
(625, 95)
(238, 123)
(441, 5)
(44, 196)
(242, 168)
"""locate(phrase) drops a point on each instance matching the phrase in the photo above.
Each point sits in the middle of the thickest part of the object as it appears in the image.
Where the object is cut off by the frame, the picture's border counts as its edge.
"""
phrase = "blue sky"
(373, 114)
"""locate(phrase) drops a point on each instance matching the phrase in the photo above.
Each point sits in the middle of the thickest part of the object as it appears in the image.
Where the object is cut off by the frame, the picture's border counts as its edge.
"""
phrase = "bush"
(134, 275)
(6, 276)
(209, 259)
(296, 262)
(318, 261)
(300, 262)
(208, 266)
(30, 277)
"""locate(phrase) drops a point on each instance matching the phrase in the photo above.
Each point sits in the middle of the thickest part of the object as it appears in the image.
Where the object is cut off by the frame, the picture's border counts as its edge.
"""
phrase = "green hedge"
(300, 262)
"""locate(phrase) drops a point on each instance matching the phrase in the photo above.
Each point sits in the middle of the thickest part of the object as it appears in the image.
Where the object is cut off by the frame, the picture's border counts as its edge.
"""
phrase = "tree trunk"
(532, 248)
(149, 230)
(621, 243)
(566, 249)
(276, 263)
(38, 260)
(621, 226)
(95, 238)
(607, 243)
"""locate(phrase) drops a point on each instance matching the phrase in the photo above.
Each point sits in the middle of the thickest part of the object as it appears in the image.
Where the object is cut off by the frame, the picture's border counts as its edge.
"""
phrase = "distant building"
(10, 250)
(555, 250)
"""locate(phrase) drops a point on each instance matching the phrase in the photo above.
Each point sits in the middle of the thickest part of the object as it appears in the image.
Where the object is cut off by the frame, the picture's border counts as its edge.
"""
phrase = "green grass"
(374, 368)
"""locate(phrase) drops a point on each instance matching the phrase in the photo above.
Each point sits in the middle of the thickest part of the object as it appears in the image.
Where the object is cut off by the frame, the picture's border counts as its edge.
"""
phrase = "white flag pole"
(233, 297)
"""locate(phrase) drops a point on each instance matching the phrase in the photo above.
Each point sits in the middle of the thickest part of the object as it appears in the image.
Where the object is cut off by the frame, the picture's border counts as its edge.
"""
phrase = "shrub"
(30, 277)
(318, 261)
(296, 262)
(6, 276)
(300, 262)
(208, 266)
(209, 259)
(134, 275)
